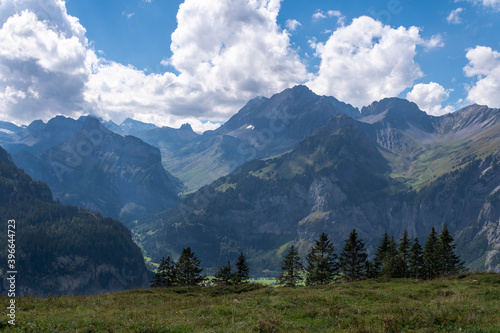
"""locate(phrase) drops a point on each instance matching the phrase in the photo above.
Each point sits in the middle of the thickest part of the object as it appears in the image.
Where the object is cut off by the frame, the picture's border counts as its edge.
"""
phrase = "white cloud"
(43, 64)
(292, 24)
(493, 4)
(454, 17)
(224, 53)
(367, 61)
(128, 15)
(234, 50)
(484, 65)
(335, 13)
(319, 15)
(434, 42)
(430, 97)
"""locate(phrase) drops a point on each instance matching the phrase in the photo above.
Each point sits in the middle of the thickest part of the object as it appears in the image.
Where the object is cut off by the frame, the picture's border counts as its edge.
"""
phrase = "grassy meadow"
(464, 303)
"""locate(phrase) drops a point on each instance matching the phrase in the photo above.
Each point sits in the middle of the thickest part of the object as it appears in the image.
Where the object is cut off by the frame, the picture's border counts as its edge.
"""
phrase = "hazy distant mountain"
(120, 176)
(396, 168)
(39, 136)
(63, 250)
(87, 165)
(262, 128)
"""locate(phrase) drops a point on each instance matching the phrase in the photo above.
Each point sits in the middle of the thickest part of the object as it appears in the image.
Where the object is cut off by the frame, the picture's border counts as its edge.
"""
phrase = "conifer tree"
(158, 280)
(416, 260)
(431, 257)
(224, 275)
(353, 258)
(389, 268)
(403, 256)
(322, 263)
(242, 274)
(378, 261)
(188, 269)
(165, 275)
(291, 269)
(449, 262)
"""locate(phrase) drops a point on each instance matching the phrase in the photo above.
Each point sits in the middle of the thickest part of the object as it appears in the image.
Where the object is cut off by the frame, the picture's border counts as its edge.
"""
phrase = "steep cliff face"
(63, 250)
(465, 199)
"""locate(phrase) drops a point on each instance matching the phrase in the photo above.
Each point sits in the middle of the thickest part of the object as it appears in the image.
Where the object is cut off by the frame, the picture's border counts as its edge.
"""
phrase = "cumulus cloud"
(367, 61)
(224, 53)
(454, 17)
(484, 66)
(292, 24)
(43, 65)
(430, 97)
(234, 48)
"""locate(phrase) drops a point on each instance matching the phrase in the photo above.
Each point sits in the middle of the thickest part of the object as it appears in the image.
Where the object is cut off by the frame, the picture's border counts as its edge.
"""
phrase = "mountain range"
(279, 172)
(388, 168)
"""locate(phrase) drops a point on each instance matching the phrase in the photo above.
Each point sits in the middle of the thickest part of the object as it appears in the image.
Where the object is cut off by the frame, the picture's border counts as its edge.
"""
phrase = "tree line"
(187, 272)
(403, 259)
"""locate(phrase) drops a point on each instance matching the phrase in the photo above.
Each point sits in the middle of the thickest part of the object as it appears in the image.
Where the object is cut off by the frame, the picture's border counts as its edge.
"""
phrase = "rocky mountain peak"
(398, 113)
(389, 104)
(186, 127)
(132, 124)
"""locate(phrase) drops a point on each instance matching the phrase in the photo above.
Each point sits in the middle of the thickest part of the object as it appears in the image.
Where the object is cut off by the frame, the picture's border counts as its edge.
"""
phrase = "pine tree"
(242, 270)
(159, 277)
(188, 270)
(449, 262)
(416, 260)
(224, 275)
(353, 258)
(431, 257)
(403, 255)
(291, 269)
(165, 275)
(389, 268)
(321, 262)
(378, 261)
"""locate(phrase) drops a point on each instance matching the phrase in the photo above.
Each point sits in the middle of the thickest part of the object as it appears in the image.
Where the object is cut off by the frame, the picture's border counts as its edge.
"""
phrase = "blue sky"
(198, 61)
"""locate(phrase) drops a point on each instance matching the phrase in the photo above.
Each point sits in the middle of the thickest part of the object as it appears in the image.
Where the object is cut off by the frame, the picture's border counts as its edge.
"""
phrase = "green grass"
(467, 303)
(265, 281)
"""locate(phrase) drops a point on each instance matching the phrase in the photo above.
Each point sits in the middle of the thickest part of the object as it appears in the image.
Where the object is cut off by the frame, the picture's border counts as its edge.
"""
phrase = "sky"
(171, 62)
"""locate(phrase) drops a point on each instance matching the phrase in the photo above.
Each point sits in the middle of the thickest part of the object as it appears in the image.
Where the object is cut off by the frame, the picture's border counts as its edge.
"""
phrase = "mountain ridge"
(63, 250)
